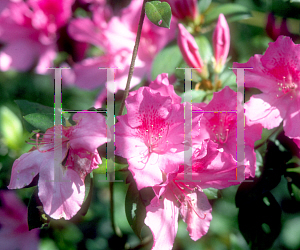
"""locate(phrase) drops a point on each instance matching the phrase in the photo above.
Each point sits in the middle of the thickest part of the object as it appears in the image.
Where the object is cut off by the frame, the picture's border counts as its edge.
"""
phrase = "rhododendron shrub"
(63, 197)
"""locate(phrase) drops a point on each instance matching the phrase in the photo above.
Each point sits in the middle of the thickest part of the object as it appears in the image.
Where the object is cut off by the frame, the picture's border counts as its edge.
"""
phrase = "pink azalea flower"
(276, 74)
(184, 9)
(14, 232)
(221, 127)
(221, 43)
(28, 31)
(115, 35)
(63, 198)
(189, 48)
(173, 197)
(153, 134)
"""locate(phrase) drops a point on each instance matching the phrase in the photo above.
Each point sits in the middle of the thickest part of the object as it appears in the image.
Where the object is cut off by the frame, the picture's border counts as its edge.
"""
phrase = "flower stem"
(134, 54)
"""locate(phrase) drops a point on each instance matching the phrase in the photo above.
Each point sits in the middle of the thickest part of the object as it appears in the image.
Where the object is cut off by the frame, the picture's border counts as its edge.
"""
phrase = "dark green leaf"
(167, 60)
(260, 221)
(27, 108)
(135, 206)
(159, 13)
(36, 215)
(229, 10)
(40, 121)
(203, 5)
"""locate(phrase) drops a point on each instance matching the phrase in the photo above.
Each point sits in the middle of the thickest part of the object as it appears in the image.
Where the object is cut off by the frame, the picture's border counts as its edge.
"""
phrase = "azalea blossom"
(153, 132)
(220, 126)
(277, 75)
(187, 198)
(14, 232)
(28, 31)
(63, 197)
(115, 37)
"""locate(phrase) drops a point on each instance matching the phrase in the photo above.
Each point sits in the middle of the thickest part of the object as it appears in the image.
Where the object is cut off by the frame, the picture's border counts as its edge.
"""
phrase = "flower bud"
(271, 28)
(184, 9)
(189, 48)
(221, 43)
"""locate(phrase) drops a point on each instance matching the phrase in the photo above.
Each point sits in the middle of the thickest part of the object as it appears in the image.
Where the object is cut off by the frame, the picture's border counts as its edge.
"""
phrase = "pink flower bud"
(183, 9)
(221, 43)
(189, 48)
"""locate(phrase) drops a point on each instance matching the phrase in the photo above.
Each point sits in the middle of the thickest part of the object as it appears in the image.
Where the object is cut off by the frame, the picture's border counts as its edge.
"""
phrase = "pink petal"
(197, 217)
(26, 168)
(61, 197)
(163, 222)
(90, 132)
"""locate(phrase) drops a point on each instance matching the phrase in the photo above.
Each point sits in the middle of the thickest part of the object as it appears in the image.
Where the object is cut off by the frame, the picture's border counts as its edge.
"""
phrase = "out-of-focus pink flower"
(273, 31)
(277, 75)
(221, 43)
(63, 198)
(189, 48)
(14, 232)
(116, 37)
(173, 196)
(28, 32)
(184, 9)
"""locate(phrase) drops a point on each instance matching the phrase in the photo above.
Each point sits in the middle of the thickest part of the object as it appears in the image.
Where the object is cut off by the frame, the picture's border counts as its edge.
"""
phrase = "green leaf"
(197, 95)
(135, 206)
(27, 108)
(167, 60)
(10, 128)
(159, 13)
(230, 10)
(211, 193)
(40, 121)
(102, 167)
(205, 49)
(36, 215)
(295, 192)
(203, 5)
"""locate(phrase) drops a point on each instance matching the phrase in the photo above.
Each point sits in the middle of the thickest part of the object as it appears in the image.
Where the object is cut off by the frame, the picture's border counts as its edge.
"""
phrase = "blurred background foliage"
(258, 215)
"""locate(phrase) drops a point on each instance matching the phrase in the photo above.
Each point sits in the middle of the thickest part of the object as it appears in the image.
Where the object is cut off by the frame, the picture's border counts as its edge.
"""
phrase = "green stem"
(135, 51)
(115, 228)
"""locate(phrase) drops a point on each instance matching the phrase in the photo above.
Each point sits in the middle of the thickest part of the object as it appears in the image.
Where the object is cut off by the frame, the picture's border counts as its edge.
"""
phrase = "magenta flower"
(276, 74)
(221, 43)
(184, 9)
(153, 134)
(189, 48)
(221, 127)
(115, 36)
(173, 197)
(14, 233)
(29, 33)
(63, 197)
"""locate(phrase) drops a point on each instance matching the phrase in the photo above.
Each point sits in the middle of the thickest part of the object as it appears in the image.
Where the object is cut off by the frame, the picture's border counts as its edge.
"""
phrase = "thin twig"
(135, 51)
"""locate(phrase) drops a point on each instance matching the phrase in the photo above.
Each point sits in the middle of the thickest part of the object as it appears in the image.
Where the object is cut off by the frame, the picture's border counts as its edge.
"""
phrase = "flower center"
(155, 135)
(287, 86)
(221, 123)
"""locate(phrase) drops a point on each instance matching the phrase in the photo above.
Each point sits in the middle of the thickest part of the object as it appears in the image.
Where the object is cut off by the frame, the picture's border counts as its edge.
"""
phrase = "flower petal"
(163, 222)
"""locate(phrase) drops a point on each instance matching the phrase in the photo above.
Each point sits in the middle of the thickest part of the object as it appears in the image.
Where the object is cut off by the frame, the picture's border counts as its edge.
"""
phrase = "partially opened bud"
(221, 43)
(184, 9)
(189, 48)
